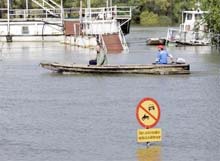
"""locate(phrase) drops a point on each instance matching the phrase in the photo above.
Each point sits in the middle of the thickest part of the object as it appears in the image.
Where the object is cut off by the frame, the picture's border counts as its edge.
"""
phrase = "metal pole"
(80, 12)
(61, 10)
(8, 6)
(106, 3)
(26, 9)
(89, 8)
(147, 143)
(88, 4)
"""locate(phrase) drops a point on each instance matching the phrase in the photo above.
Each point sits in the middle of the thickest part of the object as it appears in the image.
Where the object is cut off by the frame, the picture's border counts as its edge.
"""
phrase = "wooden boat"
(118, 69)
(156, 41)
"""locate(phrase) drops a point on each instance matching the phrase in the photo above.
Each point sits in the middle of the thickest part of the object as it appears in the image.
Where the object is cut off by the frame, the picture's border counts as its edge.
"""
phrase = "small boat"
(159, 69)
(156, 41)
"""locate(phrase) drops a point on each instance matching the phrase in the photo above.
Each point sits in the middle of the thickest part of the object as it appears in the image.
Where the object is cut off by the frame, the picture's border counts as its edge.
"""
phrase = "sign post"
(148, 115)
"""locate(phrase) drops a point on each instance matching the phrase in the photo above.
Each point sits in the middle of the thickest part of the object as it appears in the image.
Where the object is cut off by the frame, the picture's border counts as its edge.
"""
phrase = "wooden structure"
(156, 41)
(72, 27)
(118, 69)
(112, 43)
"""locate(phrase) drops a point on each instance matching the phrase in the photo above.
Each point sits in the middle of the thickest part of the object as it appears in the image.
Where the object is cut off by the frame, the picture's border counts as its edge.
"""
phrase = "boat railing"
(124, 12)
(107, 13)
(123, 40)
(173, 35)
(103, 44)
(88, 14)
(108, 16)
(38, 14)
(49, 6)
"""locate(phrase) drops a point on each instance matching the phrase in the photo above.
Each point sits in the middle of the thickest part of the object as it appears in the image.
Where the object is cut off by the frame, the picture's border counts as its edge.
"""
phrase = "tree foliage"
(149, 18)
(213, 17)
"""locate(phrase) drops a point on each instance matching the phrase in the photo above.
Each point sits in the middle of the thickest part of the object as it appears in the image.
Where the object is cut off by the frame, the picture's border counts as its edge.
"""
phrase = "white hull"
(35, 38)
(32, 31)
(81, 41)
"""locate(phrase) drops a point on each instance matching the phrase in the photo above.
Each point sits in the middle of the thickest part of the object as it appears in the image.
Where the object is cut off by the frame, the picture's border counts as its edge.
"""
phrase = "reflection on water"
(151, 153)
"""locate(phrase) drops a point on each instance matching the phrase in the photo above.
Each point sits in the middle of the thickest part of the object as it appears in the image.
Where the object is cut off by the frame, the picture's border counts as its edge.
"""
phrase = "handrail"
(107, 12)
(17, 14)
(123, 40)
(54, 3)
(124, 22)
(103, 44)
(45, 8)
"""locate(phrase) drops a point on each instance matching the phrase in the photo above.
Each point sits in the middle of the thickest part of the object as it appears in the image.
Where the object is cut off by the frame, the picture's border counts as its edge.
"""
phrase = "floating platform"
(157, 69)
(156, 41)
(192, 43)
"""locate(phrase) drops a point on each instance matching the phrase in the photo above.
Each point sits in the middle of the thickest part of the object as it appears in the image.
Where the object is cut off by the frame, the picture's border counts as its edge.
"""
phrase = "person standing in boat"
(101, 58)
(163, 55)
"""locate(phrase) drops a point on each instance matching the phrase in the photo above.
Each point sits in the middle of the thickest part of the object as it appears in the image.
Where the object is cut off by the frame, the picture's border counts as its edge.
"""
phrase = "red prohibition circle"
(140, 107)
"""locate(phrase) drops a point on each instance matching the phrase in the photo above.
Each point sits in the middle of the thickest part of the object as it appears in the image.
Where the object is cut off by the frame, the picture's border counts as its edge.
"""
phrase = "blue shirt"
(163, 56)
(157, 58)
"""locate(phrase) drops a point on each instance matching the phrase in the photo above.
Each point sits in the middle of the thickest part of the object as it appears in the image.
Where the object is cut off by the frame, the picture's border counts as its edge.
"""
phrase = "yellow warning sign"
(149, 135)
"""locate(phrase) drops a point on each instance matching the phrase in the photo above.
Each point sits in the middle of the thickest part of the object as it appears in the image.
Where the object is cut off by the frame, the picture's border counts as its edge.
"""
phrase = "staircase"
(112, 43)
(49, 6)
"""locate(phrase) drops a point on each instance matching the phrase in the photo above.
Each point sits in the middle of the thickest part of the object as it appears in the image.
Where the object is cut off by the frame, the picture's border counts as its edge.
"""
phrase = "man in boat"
(101, 58)
(163, 55)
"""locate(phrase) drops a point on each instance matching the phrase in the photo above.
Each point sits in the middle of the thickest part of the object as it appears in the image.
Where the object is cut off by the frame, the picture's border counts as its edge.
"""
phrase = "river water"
(46, 116)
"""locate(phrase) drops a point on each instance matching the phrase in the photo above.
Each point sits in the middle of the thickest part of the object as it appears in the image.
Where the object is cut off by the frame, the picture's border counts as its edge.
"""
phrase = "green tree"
(149, 18)
(165, 21)
(213, 18)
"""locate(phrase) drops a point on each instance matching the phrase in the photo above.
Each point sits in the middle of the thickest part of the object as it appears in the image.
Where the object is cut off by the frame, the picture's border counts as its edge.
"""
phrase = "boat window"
(189, 16)
(25, 30)
(206, 29)
(198, 16)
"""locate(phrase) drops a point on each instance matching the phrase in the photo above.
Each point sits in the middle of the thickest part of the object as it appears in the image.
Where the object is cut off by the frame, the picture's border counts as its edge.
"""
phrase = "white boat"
(192, 31)
(76, 26)
(108, 25)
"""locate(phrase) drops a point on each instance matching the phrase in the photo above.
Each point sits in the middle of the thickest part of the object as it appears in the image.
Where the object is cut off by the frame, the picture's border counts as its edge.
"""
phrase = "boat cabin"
(193, 20)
